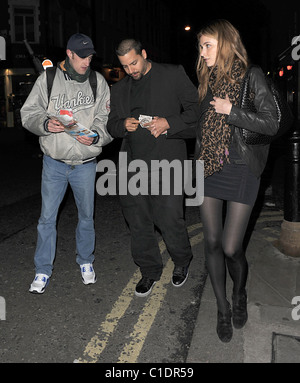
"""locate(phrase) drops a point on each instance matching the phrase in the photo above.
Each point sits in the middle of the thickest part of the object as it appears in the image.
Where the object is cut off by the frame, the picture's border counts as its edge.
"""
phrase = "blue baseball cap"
(81, 44)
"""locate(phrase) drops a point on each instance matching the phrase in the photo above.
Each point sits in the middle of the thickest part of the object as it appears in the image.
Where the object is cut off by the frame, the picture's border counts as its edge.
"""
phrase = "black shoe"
(224, 326)
(144, 287)
(239, 310)
(180, 275)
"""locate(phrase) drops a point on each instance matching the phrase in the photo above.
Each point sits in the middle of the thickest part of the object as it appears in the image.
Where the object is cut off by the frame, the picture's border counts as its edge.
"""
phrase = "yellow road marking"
(196, 239)
(263, 213)
(99, 341)
(194, 227)
(266, 219)
(131, 350)
(270, 239)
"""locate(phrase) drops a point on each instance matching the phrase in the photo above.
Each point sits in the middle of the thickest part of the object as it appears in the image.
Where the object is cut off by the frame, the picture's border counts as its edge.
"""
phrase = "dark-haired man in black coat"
(165, 93)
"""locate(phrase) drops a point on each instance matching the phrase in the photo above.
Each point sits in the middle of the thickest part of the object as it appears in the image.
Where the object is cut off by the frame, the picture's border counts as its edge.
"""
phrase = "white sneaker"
(88, 274)
(39, 284)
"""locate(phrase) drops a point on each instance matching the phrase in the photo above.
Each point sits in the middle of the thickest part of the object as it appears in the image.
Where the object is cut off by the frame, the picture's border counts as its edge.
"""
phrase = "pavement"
(272, 333)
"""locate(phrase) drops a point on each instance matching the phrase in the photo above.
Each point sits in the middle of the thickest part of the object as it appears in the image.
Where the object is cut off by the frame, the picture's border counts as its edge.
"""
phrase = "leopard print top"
(216, 133)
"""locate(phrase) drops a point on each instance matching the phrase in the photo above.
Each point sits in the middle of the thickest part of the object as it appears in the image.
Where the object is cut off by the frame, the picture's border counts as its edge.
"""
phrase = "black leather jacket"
(263, 121)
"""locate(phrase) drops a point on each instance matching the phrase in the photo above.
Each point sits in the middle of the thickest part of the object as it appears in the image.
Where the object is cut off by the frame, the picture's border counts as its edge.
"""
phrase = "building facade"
(47, 25)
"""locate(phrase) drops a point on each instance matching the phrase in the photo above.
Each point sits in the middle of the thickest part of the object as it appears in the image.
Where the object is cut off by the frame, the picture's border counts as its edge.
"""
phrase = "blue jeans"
(56, 176)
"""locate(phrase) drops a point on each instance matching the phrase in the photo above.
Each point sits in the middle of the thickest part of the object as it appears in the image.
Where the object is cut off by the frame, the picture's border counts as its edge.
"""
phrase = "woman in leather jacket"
(232, 169)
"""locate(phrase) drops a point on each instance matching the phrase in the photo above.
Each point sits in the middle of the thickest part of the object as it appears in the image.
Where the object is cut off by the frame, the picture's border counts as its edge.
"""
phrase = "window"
(24, 23)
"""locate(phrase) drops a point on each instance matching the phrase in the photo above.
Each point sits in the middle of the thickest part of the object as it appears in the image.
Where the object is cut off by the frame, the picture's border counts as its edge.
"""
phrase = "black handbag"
(284, 114)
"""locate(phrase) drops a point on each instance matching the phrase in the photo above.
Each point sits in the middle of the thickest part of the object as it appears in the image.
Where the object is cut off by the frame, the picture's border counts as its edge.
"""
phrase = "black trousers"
(143, 213)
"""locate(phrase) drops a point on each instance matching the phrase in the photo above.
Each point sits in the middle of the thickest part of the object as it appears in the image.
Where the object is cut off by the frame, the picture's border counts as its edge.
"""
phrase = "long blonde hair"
(230, 48)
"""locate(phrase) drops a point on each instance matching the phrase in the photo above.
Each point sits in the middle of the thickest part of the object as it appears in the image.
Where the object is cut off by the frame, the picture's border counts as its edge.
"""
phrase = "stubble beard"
(142, 73)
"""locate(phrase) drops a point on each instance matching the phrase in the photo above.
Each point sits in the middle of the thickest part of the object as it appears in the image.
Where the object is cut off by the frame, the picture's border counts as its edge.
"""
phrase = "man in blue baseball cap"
(81, 44)
(68, 160)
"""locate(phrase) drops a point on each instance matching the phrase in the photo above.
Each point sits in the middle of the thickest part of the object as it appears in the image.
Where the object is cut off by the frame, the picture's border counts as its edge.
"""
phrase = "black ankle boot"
(224, 326)
(239, 310)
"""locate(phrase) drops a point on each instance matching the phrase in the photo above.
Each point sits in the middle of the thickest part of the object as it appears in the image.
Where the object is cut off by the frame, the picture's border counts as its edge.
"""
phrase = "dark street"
(72, 322)
(105, 322)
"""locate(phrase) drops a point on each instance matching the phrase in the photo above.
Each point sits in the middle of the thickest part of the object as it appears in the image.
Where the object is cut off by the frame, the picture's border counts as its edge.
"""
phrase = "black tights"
(224, 245)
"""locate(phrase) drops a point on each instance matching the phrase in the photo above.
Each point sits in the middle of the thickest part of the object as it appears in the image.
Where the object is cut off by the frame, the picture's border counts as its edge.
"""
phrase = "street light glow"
(187, 28)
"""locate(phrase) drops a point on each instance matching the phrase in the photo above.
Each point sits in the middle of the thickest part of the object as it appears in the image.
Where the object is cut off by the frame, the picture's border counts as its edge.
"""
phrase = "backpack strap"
(50, 74)
(93, 83)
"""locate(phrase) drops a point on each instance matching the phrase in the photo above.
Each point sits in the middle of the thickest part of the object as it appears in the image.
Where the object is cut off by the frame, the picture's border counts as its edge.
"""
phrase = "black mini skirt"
(234, 182)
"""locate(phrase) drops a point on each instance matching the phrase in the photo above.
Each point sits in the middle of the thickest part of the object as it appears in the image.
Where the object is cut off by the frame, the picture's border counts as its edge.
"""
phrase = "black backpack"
(50, 73)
